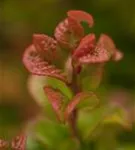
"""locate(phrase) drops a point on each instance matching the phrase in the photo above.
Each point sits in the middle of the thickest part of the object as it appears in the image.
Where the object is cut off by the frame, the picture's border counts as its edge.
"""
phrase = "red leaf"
(17, 143)
(45, 45)
(117, 55)
(86, 45)
(3, 144)
(91, 52)
(56, 99)
(81, 100)
(107, 43)
(76, 28)
(81, 16)
(42, 42)
(39, 61)
(69, 32)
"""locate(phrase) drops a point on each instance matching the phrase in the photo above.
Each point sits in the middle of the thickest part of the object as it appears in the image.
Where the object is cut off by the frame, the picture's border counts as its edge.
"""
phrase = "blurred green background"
(19, 19)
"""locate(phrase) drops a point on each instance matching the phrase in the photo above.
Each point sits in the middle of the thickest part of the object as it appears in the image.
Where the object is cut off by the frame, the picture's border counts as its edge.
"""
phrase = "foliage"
(68, 68)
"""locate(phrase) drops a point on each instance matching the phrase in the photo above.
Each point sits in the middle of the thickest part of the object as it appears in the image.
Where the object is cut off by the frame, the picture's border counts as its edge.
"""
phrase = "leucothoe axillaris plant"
(68, 68)
(71, 65)
(72, 57)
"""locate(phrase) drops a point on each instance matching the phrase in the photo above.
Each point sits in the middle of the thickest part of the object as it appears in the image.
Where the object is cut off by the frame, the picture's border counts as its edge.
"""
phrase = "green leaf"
(53, 135)
(118, 116)
(89, 122)
(57, 100)
(90, 76)
(36, 84)
(33, 144)
(82, 101)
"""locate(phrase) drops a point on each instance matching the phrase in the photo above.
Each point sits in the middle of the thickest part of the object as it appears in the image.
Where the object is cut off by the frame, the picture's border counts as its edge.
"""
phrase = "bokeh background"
(19, 19)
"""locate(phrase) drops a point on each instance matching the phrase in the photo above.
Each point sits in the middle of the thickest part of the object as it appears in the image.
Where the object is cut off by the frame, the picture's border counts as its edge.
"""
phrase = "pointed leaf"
(90, 76)
(85, 101)
(88, 52)
(36, 84)
(86, 46)
(57, 100)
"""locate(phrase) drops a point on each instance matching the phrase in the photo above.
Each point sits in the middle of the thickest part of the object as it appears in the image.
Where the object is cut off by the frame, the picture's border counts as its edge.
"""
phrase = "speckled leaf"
(89, 52)
(82, 101)
(70, 31)
(36, 84)
(107, 43)
(40, 57)
(17, 143)
(57, 100)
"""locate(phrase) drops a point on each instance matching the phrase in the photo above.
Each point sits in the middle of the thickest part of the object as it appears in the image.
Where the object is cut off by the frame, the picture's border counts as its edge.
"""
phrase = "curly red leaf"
(39, 64)
(70, 31)
(81, 16)
(91, 52)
